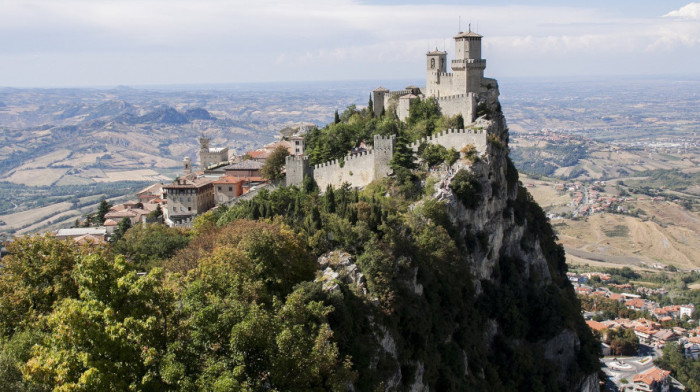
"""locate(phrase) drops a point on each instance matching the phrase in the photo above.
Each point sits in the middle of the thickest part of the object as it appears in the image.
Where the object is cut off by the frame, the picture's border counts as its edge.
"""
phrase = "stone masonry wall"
(358, 171)
(455, 138)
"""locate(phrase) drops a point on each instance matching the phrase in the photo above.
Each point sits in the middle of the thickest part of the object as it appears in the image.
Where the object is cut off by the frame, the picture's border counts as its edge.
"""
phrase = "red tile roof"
(652, 375)
(596, 325)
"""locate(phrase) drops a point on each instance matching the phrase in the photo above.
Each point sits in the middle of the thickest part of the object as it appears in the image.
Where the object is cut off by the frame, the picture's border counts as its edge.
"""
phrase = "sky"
(80, 43)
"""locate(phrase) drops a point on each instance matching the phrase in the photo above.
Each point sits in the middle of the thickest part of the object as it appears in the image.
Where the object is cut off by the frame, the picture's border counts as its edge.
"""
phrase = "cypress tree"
(370, 106)
(336, 118)
(329, 199)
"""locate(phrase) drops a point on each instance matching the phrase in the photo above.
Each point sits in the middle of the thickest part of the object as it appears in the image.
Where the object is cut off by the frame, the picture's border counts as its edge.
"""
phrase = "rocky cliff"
(494, 312)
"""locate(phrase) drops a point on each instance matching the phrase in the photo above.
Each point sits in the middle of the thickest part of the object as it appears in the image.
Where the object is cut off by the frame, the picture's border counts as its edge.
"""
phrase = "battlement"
(399, 93)
(297, 158)
(452, 97)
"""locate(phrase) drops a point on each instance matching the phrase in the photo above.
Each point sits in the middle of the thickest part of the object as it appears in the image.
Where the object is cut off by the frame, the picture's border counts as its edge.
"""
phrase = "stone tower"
(186, 166)
(297, 167)
(383, 152)
(379, 97)
(436, 65)
(468, 66)
(204, 143)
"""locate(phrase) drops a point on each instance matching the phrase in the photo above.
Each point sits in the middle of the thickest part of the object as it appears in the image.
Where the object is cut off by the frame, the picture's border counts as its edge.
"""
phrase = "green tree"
(122, 227)
(111, 338)
(35, 275)
(403, 155)
(148, 244)
(336, 117)
(102, 210)
(370, 106)
(272, 169)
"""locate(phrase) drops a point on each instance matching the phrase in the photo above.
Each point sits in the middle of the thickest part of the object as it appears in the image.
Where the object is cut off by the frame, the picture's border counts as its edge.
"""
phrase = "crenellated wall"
(358, 170)
(455, 138)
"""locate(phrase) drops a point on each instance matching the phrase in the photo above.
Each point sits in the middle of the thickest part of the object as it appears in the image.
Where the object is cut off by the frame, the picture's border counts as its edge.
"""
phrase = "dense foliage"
(238, 303)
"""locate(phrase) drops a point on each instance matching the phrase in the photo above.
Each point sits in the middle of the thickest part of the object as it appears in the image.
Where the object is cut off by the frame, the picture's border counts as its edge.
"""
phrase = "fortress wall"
(358, 171)
(455, 138)
(399, 93)
(464, 104)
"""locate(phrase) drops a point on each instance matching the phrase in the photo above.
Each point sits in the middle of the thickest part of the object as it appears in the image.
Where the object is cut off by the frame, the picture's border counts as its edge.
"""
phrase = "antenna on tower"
(470, 26)
(459, 28)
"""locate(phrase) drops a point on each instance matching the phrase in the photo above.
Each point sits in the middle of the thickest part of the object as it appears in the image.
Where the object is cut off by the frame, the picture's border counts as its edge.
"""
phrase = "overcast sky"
(149, 42)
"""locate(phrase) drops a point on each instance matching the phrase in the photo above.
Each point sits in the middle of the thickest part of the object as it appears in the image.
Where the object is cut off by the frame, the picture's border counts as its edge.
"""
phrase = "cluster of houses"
(649, 331)
(221, 181)
(587, 200)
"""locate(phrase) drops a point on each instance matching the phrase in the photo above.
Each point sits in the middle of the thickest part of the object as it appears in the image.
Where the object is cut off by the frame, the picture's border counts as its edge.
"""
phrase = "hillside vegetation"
(302, 290)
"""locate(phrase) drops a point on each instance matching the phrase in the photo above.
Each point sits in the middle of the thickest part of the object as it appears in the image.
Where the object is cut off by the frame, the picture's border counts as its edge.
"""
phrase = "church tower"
(468, 66)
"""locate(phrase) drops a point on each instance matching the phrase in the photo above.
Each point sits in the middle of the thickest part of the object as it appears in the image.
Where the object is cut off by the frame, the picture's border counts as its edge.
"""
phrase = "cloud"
(233, 40)
(689, 11)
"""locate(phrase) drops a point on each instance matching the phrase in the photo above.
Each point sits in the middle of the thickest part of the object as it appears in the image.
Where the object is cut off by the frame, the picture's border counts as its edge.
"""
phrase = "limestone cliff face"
(521, 307)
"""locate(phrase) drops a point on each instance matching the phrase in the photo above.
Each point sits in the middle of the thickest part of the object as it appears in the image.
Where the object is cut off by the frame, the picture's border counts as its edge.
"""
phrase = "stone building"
(456, 92)
(187, 197)
(227, 189)
(210, 156)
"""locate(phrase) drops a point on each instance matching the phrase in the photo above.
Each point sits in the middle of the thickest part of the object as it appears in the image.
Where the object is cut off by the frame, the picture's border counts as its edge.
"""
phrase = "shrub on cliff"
(467, 188)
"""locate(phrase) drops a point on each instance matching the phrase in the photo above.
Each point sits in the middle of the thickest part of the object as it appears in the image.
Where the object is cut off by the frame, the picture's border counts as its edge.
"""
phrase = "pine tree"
(460, 121)
(403, 156)
(102, 210)
(329, 200)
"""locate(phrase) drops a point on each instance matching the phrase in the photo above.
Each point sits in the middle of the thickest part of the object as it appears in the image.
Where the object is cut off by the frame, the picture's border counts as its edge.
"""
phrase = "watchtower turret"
(468, 66)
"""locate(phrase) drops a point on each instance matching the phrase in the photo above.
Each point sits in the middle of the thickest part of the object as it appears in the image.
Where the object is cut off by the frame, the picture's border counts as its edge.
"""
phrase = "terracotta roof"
(652, 375)
(259, 154)
(664, 334)
(89, 238)
(110, 222)
(616, 296)
(636, 302)
(596, 325)
(228, 180)
(120, 214)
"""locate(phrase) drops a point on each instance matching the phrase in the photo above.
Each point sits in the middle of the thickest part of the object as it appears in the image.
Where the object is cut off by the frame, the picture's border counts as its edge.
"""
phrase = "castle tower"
(379, 97)
(383, 152)
(204, 143)
(468, 66)
(186, 166)
(436, 64)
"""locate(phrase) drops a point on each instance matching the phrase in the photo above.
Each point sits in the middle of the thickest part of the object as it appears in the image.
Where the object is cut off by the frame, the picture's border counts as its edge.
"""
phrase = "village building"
(79, 233)
(211, 156)
(150, 193)
(686, 310)
(247, 168)
(227, 189)
(187, 197)
(653, 380)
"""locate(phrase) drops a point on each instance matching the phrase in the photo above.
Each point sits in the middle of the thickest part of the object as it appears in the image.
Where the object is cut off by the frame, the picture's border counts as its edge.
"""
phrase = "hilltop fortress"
(457, 93)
